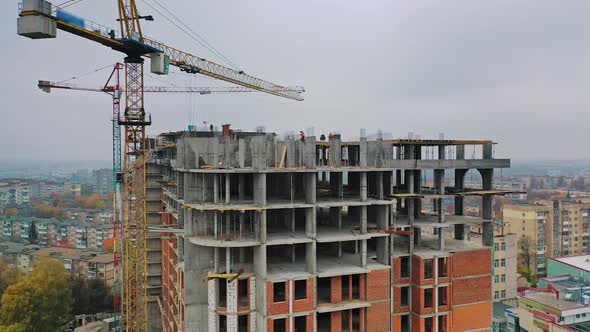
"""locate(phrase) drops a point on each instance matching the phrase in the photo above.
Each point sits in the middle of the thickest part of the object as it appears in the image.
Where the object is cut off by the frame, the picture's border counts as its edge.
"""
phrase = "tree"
(526, 257)
(91, 297)
(39, 302)
(44, 210)
(10, 212)
(9, 275)
(33, 234)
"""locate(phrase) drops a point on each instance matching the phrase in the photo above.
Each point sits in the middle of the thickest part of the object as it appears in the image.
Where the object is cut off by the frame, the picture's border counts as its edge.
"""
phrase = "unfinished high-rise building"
(304, 234)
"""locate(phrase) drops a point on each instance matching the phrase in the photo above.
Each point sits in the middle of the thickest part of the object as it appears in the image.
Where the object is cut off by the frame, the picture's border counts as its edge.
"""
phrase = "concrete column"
(459, 185)
(380, 189)
(487, 152)
(310, 152)
(335, 152)
(310, 222)
(227, 188)
(486, 206)
(228, 268)
(410, 201)
(242, 153)
(363, 185)
(442, 152)
(310, 187)
(363, 220)
(260, 189)
(417, 190)
(363, 253)
(417, 236)
(216, 188)
(262, 226)
(290, 159)
(363, 152)
(260, 261)
(310, 257)
(215, 143)
(460, 152)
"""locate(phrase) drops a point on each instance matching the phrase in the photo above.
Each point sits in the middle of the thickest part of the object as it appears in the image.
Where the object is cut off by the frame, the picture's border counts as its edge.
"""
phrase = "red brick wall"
(378, 317)
(397, 294)
(472, 290)
(378, 287)
(471, 317)
(307, 303)
(336, 321)
(336, 290)
(279, 307)
(470, 263)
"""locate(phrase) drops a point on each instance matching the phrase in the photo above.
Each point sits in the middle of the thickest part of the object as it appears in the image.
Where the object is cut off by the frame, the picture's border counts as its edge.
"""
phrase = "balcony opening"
(405, 323)
(301, 289)
(405, 296)
(324, 290)
(243, 298)
(442, 323)
(301, 324)
(280, 324)
(243, 323)
(222, 292)
(356, 286)
(324, 321)
(405, 267)
(442, 267)
(428, 269)
(222, 323)
(428, 298)
(279, 294)
(345, 288)
(442, 296)
(428, 325)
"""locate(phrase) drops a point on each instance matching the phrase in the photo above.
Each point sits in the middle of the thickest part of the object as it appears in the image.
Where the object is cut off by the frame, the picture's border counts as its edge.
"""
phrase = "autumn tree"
(44, 210)
(526, 258)
(9, 275)
(10, 212)
(38, 302)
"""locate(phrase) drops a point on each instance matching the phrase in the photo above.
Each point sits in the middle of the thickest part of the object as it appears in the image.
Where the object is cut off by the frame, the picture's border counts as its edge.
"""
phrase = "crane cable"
(85, 74)
(194, 36)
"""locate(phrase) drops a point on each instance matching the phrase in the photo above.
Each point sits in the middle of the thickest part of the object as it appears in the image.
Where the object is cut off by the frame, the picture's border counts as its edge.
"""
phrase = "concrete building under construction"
(303, 234)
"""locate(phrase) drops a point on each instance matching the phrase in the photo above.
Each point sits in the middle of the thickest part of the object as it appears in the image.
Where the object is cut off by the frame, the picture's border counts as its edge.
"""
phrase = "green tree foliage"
(33, 233)
(38, 302)
(91, 297)
(9, 275)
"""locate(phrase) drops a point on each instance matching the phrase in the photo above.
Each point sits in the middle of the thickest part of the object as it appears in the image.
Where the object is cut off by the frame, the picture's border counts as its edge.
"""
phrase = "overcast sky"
(517, 72)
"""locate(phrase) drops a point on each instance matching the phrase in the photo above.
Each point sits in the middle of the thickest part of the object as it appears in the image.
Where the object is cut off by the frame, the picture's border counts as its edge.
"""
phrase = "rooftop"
(580, 262)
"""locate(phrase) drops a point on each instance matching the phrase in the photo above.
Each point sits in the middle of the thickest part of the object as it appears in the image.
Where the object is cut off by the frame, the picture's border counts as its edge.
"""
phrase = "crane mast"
(39, 19)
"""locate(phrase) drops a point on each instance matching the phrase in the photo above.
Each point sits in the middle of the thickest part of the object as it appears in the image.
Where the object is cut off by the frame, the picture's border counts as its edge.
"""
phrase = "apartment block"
(53, 232)
(302, 234)
(554, 228)
(13, 193)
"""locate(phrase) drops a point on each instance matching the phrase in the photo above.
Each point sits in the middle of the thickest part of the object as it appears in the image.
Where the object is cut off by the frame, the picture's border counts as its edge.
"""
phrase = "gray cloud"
(513, 71)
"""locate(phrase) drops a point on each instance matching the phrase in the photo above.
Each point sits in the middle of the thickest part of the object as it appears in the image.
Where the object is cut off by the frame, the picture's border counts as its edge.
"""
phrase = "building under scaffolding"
(263, 234)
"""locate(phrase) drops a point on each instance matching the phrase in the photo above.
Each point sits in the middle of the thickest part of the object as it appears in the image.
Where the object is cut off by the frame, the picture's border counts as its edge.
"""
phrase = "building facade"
(553, 228)
(306, 235)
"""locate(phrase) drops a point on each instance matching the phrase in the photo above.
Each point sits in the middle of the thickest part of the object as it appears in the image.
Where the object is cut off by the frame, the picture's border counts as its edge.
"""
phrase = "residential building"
(306, 235)
(13, 192)
(504, 263)
(102, 181)
(53, 232)
(43, 189)
(554, 228)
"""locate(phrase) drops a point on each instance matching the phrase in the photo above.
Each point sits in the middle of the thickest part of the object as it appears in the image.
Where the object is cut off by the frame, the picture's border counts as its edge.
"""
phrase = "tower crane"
(113, 88)
(40, 19)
